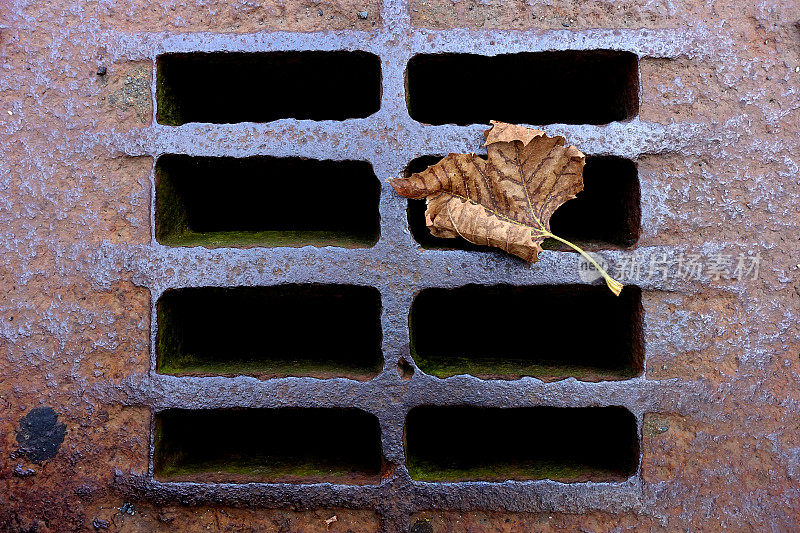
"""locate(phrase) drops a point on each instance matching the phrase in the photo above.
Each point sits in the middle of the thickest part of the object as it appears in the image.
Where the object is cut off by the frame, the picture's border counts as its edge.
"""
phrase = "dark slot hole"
(562, 444)
(267, 445)
(572, 87)
(285, 330)
(225, 201)
(260, 87)
(605, 214)
(550, 332)
(607, 211)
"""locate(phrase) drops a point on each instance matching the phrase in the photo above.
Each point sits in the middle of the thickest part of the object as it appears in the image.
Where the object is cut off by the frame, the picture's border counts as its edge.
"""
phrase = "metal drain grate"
(396, 266)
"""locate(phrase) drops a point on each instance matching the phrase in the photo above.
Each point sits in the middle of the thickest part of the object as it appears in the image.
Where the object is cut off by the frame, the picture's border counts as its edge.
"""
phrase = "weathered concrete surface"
(716, 141)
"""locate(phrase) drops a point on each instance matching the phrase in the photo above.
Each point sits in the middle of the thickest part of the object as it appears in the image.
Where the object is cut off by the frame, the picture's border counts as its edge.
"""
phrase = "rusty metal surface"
(716, 144)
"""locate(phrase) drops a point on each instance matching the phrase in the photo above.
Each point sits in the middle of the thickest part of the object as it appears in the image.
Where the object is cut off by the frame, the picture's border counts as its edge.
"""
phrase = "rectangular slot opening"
(226, 201)
(229, 87)
(606, 214)
(549, 332)
(319, 331)
(267, 445)
(570, 87)
(493, 444)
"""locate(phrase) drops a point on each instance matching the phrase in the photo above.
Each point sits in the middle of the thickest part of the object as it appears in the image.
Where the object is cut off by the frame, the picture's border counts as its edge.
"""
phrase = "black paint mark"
(40, 435)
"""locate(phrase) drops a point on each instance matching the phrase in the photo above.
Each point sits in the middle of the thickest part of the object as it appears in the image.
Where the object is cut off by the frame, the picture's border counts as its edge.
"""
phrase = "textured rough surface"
(716, 142)
(552, 14)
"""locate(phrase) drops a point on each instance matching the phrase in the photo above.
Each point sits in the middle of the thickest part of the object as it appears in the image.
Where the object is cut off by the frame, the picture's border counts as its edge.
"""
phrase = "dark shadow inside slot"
(466, 443)
(267, 445)
(571, 87)
(549, 332)
(284, 330)
(265, 201)
(230, 87)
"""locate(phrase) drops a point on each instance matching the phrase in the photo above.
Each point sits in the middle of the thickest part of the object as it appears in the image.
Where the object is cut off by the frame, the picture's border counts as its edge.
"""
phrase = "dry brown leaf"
(503, 201)
(506, 200)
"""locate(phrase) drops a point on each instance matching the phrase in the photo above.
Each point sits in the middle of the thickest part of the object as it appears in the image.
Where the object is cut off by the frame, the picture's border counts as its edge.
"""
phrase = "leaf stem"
(614, 285)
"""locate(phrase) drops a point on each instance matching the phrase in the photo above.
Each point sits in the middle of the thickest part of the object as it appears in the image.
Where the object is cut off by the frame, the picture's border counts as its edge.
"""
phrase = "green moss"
(163, 460)
(168, 111)
(171, 217)
(182, 364)
(532, 470)
(168, 342)
(264, 468)
(182, 236)
(511, 368)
